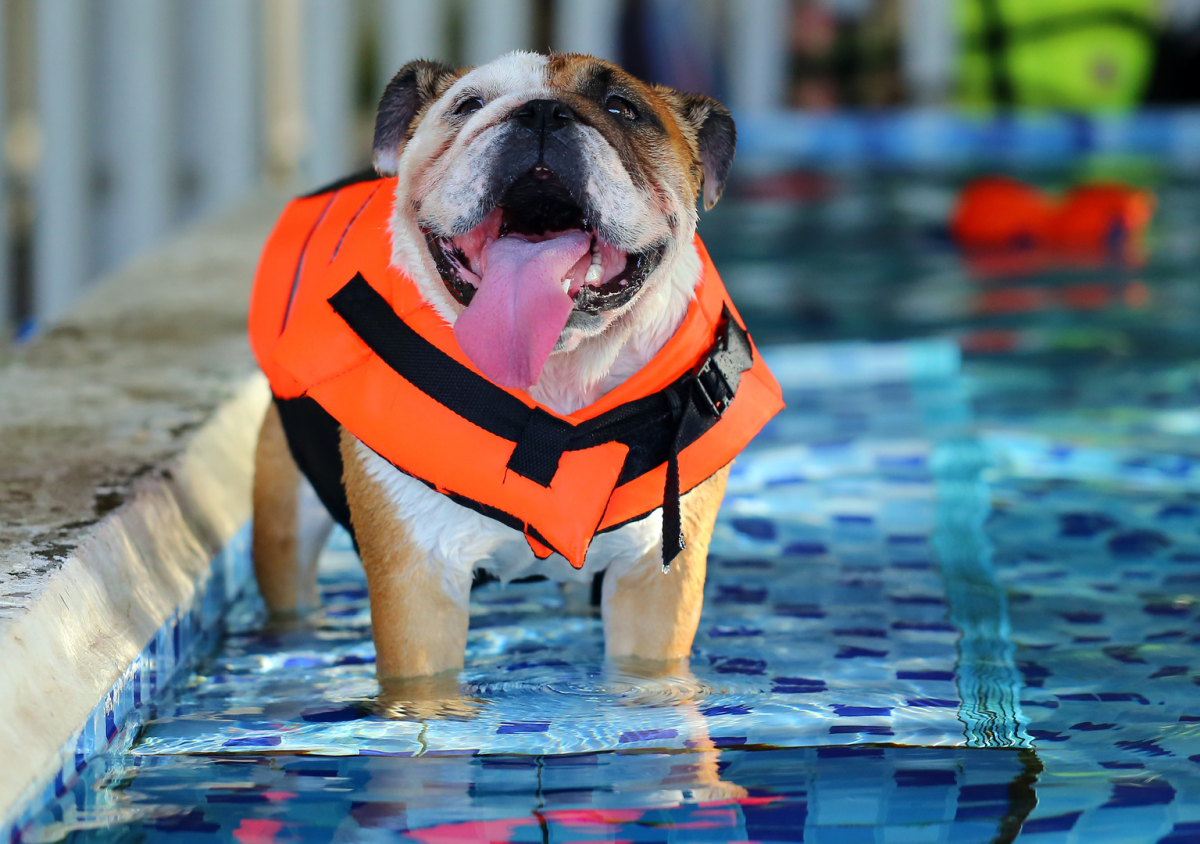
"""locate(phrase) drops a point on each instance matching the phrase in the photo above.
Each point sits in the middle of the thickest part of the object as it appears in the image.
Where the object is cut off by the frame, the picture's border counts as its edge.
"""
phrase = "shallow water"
(944, 603)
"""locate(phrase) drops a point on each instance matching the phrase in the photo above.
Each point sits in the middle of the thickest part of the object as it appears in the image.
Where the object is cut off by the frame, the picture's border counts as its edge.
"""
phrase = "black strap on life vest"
(655, 428)
(366, 175)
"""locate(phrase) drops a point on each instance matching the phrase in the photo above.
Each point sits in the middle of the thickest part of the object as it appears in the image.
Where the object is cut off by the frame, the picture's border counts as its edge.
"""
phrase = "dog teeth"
(566, 283)
(595, 273)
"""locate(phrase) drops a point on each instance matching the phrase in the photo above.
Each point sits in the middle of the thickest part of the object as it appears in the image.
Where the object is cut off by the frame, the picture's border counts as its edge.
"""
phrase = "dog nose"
(545, 115)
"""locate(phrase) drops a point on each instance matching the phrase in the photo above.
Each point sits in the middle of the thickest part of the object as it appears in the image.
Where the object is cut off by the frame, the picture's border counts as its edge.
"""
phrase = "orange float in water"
(997, 212)
(1011, 226)
(1102, 219)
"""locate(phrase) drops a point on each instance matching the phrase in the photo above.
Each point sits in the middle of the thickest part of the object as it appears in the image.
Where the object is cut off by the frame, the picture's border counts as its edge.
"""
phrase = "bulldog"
(533, 227)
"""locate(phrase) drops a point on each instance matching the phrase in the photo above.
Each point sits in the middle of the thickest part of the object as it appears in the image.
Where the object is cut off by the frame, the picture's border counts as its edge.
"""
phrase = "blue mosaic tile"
(185, 634)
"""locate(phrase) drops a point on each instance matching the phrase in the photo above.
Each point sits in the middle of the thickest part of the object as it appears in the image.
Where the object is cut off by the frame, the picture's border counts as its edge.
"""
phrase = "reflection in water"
(813, 794)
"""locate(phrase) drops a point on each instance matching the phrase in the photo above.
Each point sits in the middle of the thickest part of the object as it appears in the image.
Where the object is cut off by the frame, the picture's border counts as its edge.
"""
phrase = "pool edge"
(152, 575)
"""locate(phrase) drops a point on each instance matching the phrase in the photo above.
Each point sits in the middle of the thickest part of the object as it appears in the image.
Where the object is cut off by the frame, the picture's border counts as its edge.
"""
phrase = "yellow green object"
(1079, 55)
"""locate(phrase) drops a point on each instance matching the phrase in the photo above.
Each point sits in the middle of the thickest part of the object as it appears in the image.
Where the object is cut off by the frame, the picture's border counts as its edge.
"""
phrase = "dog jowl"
(508, 352)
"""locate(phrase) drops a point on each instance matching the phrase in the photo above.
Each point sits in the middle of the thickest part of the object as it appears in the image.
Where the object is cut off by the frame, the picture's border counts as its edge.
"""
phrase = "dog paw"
(720, 792)
(654, 683)
(451, 709)
(436, 698)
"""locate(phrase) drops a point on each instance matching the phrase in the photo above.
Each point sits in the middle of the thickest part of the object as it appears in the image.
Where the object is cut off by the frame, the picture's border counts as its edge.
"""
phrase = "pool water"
(947, 602)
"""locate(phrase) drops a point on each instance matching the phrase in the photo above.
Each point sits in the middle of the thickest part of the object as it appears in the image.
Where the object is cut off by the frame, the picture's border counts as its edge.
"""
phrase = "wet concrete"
(110, 396)
(126, 443)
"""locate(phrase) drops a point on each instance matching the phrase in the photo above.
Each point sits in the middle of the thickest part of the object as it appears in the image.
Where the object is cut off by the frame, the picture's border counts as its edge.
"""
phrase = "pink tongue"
(520, 308)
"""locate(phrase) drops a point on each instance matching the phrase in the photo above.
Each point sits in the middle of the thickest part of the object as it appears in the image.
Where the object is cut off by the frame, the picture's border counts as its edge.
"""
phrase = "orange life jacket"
(333, 321)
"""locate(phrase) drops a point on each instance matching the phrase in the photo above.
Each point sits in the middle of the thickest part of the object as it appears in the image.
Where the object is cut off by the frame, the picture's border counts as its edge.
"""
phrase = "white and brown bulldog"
(545, 208)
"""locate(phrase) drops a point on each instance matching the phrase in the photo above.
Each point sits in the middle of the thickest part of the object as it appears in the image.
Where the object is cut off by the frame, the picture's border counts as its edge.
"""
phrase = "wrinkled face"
(544, 196)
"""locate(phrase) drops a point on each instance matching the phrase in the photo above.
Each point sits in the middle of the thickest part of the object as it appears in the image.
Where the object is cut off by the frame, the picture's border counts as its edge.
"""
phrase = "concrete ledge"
(126, 442)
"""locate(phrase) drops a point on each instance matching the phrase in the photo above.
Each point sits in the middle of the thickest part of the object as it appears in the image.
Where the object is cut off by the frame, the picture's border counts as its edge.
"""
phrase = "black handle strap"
(673, 542)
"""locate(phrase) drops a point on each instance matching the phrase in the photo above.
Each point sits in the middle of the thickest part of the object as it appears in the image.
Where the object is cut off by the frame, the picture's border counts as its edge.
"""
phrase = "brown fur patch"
(661, 147)
(419, 630)
(287, 583)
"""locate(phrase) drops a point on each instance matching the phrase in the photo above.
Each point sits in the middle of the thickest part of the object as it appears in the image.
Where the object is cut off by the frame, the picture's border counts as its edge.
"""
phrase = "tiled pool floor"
(944, 605)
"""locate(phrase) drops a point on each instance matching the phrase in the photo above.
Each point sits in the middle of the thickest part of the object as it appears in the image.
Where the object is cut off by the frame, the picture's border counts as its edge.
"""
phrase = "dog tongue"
(520, 308)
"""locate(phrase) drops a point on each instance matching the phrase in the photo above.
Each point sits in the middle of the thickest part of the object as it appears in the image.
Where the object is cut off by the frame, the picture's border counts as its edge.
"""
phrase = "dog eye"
(621, 107)
(469, 106)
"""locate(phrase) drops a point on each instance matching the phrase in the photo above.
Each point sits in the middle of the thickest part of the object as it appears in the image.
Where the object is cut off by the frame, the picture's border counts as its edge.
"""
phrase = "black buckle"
(721, 373)
(713, 387)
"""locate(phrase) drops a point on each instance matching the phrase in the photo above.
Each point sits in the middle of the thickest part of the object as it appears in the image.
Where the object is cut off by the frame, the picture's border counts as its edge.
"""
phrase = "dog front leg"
(653, 615)
(290, 525)
(419, 618)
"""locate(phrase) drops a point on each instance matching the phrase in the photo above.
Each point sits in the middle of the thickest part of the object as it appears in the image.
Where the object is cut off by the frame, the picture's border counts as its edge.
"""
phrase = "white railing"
(151, 112)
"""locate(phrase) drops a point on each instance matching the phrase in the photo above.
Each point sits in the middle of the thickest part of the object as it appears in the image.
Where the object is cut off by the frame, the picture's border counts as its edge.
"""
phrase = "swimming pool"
(946, 602)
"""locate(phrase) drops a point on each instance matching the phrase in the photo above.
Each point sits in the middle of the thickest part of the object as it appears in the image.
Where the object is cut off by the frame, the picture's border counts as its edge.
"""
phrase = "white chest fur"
(456, 540)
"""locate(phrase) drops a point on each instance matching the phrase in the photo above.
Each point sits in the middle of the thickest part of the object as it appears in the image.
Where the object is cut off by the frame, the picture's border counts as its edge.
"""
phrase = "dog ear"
(412, 89)
(716, 140)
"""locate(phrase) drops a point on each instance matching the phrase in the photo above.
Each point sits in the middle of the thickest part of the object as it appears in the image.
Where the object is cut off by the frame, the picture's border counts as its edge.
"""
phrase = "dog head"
(542, 201)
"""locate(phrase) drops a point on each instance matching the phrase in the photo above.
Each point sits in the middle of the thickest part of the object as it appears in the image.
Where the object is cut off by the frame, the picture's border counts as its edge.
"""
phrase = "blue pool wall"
(186, 634)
